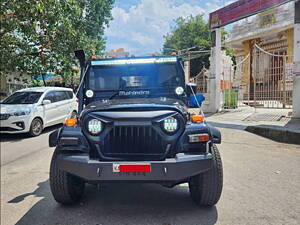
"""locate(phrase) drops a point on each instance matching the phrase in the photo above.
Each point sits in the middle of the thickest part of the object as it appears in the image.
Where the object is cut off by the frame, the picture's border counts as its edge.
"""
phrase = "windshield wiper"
(114, 95)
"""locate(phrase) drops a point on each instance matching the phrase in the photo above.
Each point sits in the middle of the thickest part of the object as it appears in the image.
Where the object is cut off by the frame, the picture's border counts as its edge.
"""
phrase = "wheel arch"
(38, 117)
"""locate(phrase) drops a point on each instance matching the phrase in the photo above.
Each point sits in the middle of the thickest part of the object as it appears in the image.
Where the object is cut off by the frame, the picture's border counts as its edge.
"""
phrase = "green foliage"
(190, 32)
(39, 36)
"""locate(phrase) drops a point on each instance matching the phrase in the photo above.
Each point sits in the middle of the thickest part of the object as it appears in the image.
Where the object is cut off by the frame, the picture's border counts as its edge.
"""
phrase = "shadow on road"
(41, 191)
(119, 204)
(20, 137)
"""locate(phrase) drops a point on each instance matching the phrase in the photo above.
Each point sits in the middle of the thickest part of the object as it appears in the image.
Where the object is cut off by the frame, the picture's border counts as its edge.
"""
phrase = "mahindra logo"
(125, 93)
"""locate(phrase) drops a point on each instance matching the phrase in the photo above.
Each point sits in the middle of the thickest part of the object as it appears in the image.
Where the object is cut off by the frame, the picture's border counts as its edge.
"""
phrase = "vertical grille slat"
(127, 141)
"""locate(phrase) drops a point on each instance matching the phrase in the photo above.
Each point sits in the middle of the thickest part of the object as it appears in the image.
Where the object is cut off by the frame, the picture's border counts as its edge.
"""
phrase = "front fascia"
(145, 119)
(90, 144)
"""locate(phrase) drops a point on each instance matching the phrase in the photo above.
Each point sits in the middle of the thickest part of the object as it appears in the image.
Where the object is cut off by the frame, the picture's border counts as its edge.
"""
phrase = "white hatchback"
(33, 109)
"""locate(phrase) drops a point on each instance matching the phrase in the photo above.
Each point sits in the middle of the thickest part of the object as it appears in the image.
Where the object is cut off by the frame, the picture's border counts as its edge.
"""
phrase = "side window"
(60, 96)
(50, 96)
(69, 94)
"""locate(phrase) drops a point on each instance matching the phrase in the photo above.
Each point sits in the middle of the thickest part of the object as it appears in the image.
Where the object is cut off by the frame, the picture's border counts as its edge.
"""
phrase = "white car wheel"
(36, 127)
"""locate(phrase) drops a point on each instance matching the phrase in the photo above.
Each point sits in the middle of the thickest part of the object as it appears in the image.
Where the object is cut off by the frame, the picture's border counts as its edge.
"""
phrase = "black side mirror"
(80, 56)
(53, 138)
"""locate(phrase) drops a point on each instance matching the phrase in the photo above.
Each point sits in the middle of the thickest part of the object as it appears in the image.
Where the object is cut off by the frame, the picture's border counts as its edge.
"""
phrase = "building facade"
(263, 47)
(11, 82)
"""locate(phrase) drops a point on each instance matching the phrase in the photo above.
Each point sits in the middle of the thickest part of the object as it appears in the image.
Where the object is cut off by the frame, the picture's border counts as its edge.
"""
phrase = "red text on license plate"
(128, 168)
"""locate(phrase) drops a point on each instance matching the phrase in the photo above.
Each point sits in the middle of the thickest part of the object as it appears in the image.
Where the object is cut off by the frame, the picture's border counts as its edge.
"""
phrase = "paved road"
(261, 186)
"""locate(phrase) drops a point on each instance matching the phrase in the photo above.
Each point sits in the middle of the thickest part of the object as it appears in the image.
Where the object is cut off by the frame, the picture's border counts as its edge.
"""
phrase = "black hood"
(134, 104)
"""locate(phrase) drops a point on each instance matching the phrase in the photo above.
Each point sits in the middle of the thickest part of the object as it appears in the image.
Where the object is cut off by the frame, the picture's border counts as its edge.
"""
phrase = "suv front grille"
(133, 141)
(4, 116)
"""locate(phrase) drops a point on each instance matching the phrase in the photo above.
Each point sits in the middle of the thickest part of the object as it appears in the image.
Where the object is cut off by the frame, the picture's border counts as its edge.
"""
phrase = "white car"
(33, 109)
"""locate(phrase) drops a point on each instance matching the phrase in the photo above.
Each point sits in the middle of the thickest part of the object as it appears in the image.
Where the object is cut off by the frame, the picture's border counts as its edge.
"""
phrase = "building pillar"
(215, 79)
(296, 83)
(290, 43)
(187, 71)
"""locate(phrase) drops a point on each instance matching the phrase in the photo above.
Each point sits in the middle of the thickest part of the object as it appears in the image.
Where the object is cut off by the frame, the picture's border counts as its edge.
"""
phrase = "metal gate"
(201, 80)
(233, 85)
(271, 83)
(264, 77)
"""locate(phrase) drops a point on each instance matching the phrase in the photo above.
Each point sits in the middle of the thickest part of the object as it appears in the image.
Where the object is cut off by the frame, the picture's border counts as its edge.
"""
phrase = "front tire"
(66, 188)
(206, 188)
(36, 127)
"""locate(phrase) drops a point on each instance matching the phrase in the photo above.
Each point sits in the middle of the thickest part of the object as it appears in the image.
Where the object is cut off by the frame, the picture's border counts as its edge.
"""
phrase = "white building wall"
(252, 27)
(16, 81)
(214, 99)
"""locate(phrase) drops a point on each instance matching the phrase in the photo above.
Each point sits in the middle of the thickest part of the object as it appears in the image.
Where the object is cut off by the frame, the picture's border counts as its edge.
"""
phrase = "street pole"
(296, 83)
(189, 74)
(186, 71)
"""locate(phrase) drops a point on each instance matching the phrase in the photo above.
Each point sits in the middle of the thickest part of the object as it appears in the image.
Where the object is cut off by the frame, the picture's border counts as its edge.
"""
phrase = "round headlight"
(170, 124)
(94, 126)
(179, 90)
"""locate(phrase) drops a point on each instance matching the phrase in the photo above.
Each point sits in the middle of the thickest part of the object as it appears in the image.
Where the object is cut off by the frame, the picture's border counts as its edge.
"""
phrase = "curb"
(276, 133)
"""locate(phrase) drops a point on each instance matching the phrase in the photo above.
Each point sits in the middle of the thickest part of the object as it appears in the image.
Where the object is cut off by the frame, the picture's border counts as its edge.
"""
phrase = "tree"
(187, 33)
(192, 32)
(39, 36)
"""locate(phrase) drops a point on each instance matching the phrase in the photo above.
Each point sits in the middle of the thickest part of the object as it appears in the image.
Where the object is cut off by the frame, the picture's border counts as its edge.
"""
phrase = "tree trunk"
(43, 77)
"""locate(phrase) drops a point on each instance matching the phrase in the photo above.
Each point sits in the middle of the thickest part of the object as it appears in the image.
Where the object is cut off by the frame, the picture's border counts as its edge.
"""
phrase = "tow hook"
(98, 172)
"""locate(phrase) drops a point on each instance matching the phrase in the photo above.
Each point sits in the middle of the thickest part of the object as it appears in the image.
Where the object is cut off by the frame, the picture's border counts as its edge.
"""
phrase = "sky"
(139, 26)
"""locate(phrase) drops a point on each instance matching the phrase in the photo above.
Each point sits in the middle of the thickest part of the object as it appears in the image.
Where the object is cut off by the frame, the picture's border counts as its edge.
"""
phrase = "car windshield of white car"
(23, 98)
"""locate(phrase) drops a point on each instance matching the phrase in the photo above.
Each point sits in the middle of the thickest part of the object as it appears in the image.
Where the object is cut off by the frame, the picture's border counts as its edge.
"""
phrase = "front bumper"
(10, 125)
(175, 169)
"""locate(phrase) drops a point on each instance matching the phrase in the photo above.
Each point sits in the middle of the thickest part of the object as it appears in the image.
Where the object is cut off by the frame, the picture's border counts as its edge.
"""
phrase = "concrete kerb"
(286, 131)
(276, 133)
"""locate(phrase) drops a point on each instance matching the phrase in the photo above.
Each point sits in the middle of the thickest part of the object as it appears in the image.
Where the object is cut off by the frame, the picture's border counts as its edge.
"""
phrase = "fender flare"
(216, 135)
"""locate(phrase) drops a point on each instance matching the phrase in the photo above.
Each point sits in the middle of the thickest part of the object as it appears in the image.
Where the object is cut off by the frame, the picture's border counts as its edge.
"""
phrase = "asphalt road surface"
(261, 186)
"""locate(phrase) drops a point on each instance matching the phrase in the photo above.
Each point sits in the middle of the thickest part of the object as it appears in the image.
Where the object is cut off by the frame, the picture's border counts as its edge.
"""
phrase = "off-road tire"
(33, 131)
(206, 188)
(66, 188)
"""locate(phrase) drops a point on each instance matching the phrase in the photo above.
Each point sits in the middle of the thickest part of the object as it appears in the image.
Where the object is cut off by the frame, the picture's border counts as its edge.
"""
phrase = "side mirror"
(195, 99)
(190, 88)
(46, 102)
(80, 55)
(53, 137)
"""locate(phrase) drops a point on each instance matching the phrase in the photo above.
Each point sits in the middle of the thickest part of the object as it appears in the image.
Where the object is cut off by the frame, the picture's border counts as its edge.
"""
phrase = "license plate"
(131, 168)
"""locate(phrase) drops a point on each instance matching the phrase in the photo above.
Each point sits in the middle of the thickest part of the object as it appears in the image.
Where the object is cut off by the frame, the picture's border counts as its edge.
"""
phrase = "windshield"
(135, 77)
(23, 98)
